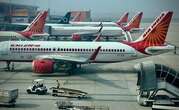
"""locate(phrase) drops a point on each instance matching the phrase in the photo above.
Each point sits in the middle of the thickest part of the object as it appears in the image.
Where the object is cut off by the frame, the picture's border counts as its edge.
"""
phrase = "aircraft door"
(3, 49)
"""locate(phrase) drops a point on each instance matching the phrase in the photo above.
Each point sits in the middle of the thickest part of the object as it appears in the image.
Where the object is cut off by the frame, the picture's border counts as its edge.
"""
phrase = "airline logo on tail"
(65, 19)
(76, 18)
(157, 32)
(37, 25)
(155, 35)
(80, 16)
(123, 19)
(134, 23)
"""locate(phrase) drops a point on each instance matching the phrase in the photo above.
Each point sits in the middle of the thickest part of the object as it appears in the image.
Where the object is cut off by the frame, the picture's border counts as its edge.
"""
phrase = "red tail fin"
(155, 35)
(76, 17)
(37, 25)
(123, 19)
(134, 23)
(79, 17)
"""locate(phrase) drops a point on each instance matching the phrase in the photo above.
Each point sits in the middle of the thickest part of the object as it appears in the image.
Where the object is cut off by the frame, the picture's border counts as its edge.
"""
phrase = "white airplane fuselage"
(69, 30)
(29, 50)
(93, 23)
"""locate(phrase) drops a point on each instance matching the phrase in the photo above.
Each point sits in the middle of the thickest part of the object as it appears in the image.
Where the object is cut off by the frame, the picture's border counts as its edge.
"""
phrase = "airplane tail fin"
(123, 19)
(134, 22)
(65, 19)
(77, 17)
(37, 25)
(155, 35)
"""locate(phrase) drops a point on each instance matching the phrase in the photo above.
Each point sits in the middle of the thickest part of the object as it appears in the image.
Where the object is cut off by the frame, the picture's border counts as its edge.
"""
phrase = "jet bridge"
(158, 86)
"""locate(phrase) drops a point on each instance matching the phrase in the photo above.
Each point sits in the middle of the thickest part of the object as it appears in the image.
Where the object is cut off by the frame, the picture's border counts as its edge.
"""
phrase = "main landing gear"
(9, 66)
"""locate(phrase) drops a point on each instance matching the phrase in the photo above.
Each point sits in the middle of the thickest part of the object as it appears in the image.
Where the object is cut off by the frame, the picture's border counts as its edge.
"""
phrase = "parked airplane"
(90, 36)
(76, 21)
(33, 32)
(47, 55)
(107, 31)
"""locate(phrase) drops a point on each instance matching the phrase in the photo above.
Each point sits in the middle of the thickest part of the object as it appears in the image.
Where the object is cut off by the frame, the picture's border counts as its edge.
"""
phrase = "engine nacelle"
(43, 66)
(76, 37)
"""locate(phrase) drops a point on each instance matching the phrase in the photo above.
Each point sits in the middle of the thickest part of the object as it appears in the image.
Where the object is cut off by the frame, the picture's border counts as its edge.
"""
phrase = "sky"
(105, 8)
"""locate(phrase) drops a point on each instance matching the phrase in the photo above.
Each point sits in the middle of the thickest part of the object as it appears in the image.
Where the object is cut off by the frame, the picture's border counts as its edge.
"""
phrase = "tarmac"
(111, 86)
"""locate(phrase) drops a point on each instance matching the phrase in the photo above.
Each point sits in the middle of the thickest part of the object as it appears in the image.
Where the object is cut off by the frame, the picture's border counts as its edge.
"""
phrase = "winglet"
(95, 53)
(99, 33)
(101, 25)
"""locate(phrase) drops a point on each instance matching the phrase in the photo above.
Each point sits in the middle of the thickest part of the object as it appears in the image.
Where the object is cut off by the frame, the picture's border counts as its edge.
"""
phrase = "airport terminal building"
(12, 13)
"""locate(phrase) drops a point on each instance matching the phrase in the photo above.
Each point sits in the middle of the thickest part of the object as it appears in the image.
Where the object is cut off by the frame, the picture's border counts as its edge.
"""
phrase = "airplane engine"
(42, 66)
(76, 37)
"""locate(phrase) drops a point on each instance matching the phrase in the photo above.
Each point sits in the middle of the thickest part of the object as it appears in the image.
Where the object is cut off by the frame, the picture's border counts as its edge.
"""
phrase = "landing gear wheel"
(38, 92)
(8, 65)
(28, 91)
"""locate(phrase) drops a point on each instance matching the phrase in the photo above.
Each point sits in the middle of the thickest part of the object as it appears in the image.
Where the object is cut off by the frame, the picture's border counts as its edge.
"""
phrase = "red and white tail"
(155, 35)
(79, 17)
(123, 19)
(37, 25)
(134, 22)
(76, 18)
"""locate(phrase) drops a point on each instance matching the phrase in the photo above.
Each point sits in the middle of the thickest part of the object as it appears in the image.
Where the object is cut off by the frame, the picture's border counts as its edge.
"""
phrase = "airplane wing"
(79, 35)
(71, 59)
(91, 33)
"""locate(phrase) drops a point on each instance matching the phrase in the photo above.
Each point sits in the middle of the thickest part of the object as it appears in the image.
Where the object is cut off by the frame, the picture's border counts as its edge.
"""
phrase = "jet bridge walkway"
(154, 78)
